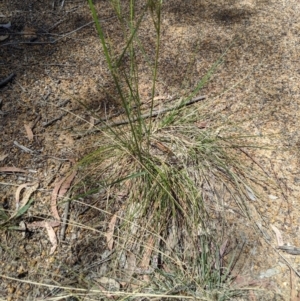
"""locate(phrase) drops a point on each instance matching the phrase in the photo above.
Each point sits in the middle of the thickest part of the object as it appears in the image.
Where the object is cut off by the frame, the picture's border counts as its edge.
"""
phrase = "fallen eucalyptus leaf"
(278, 236)
(52, 237)
(11, 169)
(28, 131)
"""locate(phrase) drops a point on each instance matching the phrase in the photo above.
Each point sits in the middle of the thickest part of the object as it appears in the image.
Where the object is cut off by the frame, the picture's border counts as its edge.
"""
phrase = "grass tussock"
(166, 175)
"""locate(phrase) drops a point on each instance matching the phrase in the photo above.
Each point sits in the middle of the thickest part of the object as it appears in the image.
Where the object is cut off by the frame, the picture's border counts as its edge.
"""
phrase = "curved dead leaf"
(54, 197)
(41, 224)
(25, 199)
(18, 191)
(28, 193)
(52, 237)
(110, 233)
(11, 169)
(147, 254)
(278, 236)
(59, 190)
(66, 184)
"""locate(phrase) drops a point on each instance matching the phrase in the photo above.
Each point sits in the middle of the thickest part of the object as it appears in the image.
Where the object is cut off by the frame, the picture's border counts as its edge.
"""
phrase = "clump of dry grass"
(167, 227)
(167, 176)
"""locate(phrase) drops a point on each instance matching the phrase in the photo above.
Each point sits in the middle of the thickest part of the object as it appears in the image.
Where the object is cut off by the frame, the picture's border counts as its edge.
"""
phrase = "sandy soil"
(59, 71)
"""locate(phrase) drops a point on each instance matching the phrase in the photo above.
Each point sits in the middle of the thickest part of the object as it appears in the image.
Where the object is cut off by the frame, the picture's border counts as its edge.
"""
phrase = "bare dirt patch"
(59, 72)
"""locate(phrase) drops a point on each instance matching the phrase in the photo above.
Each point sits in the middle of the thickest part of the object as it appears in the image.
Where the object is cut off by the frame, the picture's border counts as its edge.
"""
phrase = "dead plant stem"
(144, 116)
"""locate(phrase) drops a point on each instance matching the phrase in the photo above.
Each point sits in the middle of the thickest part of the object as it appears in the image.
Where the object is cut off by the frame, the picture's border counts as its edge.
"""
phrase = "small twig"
(290, 249)
(37, 119)
(251, 158)
(45, 124)
(31, 43)
(181, 105)
(109, 117)
(55, 158)
(46, 97)
(63, 103)
(7, 80)
(62, 4)
(64, 35)
(56, 24)
(23, 89)
(24, 148)
(144, 116)
(64, 221)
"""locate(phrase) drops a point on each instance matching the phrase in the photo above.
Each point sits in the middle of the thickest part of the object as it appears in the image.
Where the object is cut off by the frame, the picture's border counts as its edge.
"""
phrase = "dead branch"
(144, 116)
(7, 80)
